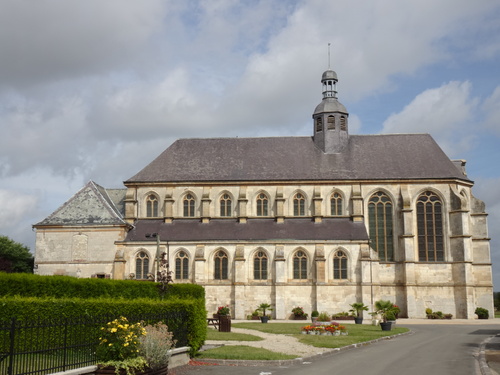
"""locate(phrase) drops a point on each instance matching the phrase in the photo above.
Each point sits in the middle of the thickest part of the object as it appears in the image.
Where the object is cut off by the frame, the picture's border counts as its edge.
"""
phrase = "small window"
(319, 124)
(331, 122)
(299, 205)
(152, 206)
(260, 266)
(141, 266)
(262, 205)
(300, 265)
(225, 205)
(220, 266)
(340, 266)
(343, 123)
(430, 228)
(188, 206)
(182, 266)
(336, 204)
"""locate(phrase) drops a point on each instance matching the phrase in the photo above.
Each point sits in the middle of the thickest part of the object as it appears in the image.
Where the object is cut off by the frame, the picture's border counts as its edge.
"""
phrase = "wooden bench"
(214, 322)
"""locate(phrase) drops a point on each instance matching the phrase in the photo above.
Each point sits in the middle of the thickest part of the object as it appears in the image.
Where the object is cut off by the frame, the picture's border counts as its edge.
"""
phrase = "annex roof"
(253, 230)
(375, 157)
(92, 205)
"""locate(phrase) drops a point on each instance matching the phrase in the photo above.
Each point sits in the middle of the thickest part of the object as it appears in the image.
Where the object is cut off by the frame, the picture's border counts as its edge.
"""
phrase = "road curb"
(296, 361)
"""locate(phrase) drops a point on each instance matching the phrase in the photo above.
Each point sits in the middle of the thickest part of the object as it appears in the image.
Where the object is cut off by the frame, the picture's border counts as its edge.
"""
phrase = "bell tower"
(330, 118)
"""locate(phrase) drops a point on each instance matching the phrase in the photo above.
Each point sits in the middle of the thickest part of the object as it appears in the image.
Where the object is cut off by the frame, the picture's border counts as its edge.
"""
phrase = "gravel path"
(277, 343)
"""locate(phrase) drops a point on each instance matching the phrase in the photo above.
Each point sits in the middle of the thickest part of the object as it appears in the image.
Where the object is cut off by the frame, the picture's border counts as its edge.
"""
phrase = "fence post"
(65, 355)
(10, 369)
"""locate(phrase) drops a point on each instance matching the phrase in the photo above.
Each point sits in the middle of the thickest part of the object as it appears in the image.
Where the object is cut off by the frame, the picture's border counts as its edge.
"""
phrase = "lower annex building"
(318, 222)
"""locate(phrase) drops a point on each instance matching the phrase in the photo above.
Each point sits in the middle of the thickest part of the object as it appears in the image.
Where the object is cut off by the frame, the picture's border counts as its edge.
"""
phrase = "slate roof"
(253, 230)
(92, 205)
(372, 157)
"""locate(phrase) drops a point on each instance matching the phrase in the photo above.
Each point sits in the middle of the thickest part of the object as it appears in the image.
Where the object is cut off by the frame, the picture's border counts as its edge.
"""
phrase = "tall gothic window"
(430, 228)
(181, 266)
(300, 265)
(340, 265)
(299, 205)
(225, 205)
(262, 205)
(188, 206)
(141, 266)
(260, 266)
(381, 226)
(152, 206)
(336, 204)
(220, 265)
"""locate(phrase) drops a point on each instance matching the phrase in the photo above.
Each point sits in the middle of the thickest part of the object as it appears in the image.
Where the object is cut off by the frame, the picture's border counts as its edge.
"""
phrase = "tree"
(15, 257)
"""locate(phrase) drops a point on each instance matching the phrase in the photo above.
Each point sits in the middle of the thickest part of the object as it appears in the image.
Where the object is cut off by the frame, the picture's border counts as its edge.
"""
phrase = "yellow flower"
(110, 344)
(113, 330)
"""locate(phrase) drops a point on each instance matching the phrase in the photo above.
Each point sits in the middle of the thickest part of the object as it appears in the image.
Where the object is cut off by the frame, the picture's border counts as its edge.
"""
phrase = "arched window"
(319, 124)
(188, 206)
(430, 228)
(340, 265)
(331, 122)
(220, 265)
(343, 123)
(141, 266)
(300, 265)
(181, 266)
(336, 204)
(381, 226)
(225, 205)
(299, 205)
(260, 266)
(152, 206)
(262, 205)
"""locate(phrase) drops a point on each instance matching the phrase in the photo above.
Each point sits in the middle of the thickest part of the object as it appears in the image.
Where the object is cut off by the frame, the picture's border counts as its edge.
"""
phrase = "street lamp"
(157, 236)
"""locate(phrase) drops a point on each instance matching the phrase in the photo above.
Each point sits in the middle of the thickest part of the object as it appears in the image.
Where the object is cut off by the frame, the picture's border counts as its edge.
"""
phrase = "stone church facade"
(318, 222)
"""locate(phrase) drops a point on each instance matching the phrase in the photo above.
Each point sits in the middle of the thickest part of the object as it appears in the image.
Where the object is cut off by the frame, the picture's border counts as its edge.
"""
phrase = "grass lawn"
(357, 333)
(212, 334)
(242, 352)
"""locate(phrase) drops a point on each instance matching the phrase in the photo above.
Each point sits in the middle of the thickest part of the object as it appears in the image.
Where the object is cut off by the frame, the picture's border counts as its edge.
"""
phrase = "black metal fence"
(49, 346)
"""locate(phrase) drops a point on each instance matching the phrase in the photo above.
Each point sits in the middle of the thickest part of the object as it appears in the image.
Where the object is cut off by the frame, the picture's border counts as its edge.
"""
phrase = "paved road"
(430, 350)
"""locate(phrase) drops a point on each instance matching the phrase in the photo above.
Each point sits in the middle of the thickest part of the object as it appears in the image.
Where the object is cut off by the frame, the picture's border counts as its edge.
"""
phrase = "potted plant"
(298, 313)
(314, 316)
(357, 309)
(155, 347)
(482, 313)
(118, 349)
(323, 318)
(383, 307)
(222, 311)
(263, 307)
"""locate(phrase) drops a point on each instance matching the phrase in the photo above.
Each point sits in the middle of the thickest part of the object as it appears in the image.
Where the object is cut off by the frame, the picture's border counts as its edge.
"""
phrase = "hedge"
(33, 309)
(29, 285)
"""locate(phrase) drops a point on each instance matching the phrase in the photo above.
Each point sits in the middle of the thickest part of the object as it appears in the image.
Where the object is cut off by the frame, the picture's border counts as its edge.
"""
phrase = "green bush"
(28, 285)
(34, 309)
(482, 313)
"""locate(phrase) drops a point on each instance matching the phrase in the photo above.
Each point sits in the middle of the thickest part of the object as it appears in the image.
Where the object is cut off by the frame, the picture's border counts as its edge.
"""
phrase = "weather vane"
(328, 55)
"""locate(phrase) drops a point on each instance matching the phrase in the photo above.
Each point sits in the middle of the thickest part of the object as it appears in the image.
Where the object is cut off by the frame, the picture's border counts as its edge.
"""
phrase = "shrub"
(314, 314)
(299, 311)
(323, 317)
(155, 345)
(482, 313)
(119, 340)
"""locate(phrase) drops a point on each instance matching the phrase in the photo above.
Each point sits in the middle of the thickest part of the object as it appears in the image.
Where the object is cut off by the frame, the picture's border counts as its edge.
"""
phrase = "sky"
(96, 89)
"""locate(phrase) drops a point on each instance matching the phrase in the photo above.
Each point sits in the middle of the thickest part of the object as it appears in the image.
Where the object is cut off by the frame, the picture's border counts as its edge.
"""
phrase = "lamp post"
(157, 236)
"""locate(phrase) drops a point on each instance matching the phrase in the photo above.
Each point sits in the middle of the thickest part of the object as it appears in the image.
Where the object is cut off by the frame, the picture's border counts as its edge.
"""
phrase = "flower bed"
(333, 329)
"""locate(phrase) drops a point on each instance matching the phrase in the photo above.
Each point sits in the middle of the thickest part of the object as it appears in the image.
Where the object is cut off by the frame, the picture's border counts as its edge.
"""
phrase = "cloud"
(15, 206)
(50, 40)
(445, 112)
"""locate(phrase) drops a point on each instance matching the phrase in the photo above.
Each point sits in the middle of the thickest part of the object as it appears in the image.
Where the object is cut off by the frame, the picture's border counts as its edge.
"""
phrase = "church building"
(318, 221)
